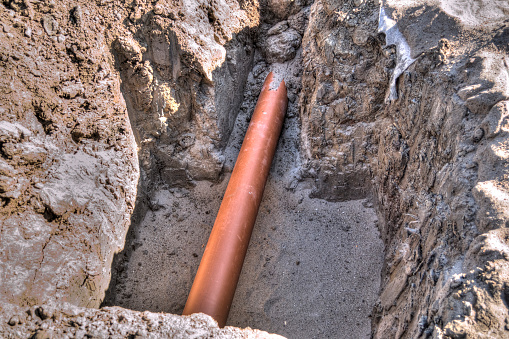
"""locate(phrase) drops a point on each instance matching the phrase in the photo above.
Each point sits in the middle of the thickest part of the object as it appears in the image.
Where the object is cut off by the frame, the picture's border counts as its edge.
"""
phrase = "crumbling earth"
(106, 106)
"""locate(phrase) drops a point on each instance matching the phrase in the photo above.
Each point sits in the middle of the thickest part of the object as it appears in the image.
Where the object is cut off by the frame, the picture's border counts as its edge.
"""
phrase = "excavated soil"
(386, 211)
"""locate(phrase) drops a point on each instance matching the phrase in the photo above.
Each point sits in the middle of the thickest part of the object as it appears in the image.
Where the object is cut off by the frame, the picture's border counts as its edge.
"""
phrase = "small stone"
(42, 334)
(26, 152)
(71, 89)
(278, 28)
(44, 312)
(14, 320)
(129, 48)
(456, 281)
(478, 134)
(28, 32)
(50, 25)
(9, 131)
(7, 185)
(158, 9)
(423, 322)
(471, 164)
(360, 37)
(281, 8)
(282, 47)
(6, 169)
(76, 15)
(61, 38)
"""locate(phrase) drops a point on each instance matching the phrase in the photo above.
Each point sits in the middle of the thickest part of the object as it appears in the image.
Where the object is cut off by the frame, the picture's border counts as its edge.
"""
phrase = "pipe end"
(274, 81)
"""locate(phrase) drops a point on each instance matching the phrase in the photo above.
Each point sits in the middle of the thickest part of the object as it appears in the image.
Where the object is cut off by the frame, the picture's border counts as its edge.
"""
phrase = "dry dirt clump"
(68, 321)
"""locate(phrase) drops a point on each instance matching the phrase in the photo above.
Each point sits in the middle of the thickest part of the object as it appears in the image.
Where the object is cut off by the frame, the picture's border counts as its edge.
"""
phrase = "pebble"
(278, 28)
(478, 134)
(76, 15)
(45, 312)
(158, 9)
(14, 320)
(50, 25)
(42, 334)
(471, 164)
(28, 32)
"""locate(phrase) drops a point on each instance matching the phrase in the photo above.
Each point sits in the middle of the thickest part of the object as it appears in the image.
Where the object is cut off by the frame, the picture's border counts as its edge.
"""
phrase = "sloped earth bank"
(118, 115)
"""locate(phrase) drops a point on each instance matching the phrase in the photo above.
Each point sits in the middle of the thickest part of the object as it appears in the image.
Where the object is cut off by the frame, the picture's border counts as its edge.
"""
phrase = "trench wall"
(434, 157)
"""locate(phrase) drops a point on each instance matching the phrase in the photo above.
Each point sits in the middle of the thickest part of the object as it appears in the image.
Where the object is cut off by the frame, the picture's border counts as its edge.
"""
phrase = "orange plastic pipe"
(218, 274)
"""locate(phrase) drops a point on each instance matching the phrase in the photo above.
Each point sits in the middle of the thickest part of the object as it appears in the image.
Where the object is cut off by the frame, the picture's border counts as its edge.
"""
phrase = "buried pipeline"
(218, 274)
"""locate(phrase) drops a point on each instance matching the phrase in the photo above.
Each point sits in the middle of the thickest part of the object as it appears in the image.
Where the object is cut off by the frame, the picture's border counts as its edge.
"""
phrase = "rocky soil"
(68, 321)
(109, 107)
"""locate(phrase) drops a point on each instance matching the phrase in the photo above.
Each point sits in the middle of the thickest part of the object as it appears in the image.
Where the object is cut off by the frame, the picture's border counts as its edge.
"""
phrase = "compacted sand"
(312, 269)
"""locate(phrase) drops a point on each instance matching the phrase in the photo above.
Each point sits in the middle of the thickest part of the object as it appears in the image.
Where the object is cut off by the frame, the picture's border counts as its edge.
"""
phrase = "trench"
(436, 157)
(312, 268)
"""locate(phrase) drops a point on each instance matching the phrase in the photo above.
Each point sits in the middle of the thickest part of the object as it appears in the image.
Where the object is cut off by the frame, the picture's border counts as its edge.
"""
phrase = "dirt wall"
(68, 156)
(434, 154)
(407, 106)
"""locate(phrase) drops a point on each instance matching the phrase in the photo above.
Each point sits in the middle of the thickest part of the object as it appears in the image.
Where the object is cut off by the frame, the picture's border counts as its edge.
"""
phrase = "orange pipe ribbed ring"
(218, 274)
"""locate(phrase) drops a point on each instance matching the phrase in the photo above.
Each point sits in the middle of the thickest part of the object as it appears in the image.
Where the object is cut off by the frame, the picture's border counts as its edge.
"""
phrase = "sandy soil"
(312, 268)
